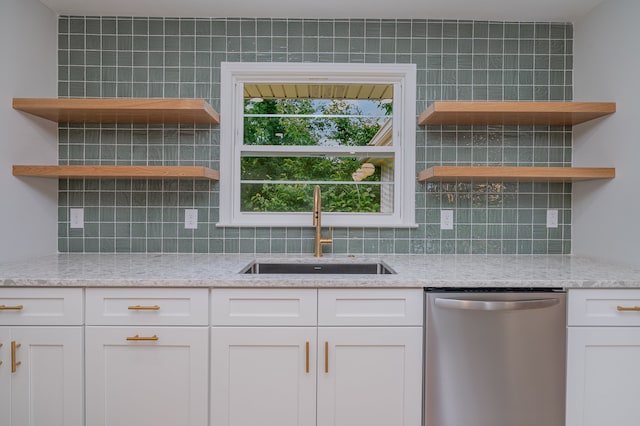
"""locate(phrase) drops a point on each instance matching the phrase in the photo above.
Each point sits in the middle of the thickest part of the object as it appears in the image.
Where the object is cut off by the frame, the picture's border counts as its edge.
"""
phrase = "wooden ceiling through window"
(318, 91)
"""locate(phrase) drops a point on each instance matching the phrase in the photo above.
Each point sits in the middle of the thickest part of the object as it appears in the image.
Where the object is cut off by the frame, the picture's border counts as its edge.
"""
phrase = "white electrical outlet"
(552, 218)
(446, 219)
(76, 218)
(191, 218)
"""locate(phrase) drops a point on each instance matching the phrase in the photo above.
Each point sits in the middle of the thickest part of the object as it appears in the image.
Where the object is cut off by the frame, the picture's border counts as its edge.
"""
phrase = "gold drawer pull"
(306, 360)
(144, 308)
(630, 308)
(11, 308)
(137, 338)
(326, 357)
(14, 362)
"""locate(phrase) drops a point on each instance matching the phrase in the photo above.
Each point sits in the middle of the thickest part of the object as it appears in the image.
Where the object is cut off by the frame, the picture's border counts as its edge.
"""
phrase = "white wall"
(606, 216)
(28, 207)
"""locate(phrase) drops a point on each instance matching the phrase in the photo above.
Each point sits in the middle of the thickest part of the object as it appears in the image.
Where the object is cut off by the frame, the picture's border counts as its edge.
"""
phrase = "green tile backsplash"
(456, 60)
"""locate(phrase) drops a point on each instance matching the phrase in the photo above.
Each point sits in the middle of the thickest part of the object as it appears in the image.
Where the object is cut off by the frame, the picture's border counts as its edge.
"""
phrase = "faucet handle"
(329, 239)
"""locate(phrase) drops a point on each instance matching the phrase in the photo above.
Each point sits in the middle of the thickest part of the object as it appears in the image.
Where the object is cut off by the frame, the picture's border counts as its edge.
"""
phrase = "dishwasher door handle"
(496, 305)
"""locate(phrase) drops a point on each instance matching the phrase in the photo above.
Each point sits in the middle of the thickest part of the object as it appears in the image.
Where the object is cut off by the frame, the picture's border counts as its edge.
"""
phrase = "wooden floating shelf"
(146, 111)
(514, 113)
(548, 174)
(142, 172)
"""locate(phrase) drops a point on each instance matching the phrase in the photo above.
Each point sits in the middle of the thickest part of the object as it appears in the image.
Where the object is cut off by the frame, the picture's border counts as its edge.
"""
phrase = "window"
(348, 128)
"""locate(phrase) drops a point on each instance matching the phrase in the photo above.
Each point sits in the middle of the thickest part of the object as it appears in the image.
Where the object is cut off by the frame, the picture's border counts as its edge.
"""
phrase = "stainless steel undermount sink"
(368, 268)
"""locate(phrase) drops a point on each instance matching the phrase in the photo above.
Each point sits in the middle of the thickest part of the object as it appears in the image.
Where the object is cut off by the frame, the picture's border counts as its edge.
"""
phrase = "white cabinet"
(353, 357)
(370, 307)
(5, 372)
(152, 374)
(603, 368)
(263, 376)
(370, 357)
(147, 376)
(370, 376)
(41, 366)
(263, 357)
(147, 306)
(46, 387)
(264, 307)
(272, 357)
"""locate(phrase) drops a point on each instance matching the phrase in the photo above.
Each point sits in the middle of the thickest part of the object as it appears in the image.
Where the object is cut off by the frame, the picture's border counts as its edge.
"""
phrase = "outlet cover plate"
(191, 218)
(446, 219)
(552, 218)
(76, 218)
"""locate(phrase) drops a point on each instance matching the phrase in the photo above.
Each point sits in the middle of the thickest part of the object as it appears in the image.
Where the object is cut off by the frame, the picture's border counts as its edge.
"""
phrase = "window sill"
(308, 224)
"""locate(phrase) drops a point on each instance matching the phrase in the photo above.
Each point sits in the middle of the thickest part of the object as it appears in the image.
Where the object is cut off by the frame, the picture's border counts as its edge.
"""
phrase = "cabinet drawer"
(373, 307)
(41, 306)
(604, 307)
(272, 306)
(153, 306)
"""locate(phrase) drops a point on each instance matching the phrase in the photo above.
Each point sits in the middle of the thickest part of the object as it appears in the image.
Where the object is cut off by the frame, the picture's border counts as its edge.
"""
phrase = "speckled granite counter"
(204, 270)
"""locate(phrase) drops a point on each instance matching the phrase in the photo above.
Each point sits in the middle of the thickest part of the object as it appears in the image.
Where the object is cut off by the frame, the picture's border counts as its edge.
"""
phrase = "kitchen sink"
(369, 268)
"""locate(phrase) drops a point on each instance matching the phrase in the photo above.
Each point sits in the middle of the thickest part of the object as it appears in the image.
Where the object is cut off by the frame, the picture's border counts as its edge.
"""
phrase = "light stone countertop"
(412, 271)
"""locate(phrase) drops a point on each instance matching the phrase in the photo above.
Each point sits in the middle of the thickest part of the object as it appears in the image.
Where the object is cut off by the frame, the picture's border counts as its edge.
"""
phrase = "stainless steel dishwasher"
(495, 358)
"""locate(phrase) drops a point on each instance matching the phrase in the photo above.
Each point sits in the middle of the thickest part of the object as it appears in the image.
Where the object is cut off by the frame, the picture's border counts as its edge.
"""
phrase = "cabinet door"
(147, 376)
(369, 376)
(603, 373)
(5, 373)
(263, 376)
(47, 386)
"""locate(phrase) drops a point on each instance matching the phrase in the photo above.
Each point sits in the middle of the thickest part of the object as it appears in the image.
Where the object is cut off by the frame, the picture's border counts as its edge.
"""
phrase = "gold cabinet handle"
(326, 357)
(144, 308)
(14, 362)
(629, 308)
(306, 359)
(138, 338)
(11, 308)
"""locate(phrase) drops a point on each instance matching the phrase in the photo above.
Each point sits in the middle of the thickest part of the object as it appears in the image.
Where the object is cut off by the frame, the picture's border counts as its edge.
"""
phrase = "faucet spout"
(317, 222)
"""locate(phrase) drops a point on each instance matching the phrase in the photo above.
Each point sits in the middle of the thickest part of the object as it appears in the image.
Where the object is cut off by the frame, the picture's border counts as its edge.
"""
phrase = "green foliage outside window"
(307, 131)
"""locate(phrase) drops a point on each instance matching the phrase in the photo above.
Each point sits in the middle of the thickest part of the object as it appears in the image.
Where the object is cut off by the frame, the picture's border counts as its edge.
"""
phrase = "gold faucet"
(317, 213)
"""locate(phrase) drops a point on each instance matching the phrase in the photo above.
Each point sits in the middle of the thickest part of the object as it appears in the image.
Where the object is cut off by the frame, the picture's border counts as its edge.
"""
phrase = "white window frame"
(402, 76)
